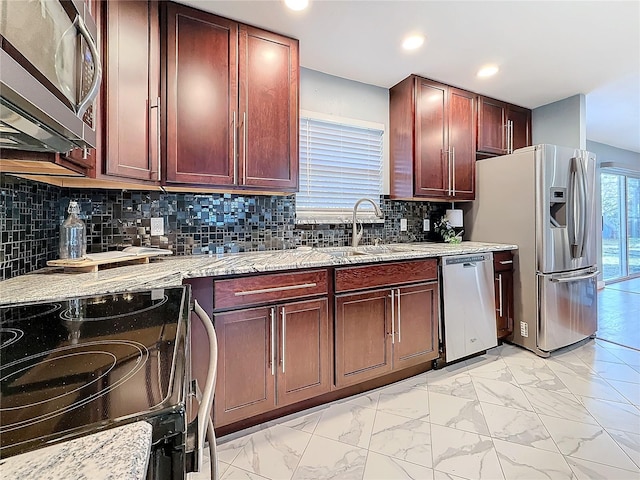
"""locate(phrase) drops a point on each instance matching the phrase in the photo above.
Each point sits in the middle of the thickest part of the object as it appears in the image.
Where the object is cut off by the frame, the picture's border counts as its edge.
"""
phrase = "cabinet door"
(492, 121)
(201, 97)
(432, 177)
(362, 336)
(462, 142)
(504, 303)
(131, 80)
(245, 384)
(268, 118)
(303, 340)
(416, 328)
(521, 126)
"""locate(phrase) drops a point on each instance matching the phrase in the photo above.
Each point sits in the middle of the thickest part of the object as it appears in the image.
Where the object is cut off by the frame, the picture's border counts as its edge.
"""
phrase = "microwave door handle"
(204, 411)
(97, 73)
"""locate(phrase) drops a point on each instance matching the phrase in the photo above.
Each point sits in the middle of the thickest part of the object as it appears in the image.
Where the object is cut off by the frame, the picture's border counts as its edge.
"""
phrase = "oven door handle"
(204, 411)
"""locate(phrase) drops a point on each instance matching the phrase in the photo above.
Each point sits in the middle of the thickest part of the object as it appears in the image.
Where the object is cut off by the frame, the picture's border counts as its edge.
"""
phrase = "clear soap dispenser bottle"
(73, 235)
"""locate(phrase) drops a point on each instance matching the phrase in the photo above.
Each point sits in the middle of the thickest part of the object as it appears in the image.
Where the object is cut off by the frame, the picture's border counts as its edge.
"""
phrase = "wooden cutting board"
(99, 261)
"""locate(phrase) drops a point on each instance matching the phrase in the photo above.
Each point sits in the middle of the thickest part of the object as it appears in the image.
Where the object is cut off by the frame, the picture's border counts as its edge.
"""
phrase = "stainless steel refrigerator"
(542, 198)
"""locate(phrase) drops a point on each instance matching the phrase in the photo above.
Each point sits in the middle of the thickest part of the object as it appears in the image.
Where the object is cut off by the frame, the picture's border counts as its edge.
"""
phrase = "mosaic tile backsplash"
(31, 214)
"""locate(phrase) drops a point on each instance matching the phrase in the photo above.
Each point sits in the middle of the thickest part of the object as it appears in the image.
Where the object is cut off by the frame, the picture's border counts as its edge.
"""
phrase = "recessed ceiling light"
(297, 5)
(488, 71)
(412, 42)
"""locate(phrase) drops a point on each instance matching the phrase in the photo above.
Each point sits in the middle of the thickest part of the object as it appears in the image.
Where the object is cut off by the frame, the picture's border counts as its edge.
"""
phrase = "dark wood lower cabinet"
(304, 370)
(362, 336)
(270, 357)
(245, 385)
(384, 330)
(416, 326)
(503, 279)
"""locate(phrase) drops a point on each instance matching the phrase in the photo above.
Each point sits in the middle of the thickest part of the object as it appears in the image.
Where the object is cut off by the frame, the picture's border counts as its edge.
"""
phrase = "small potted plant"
(446, 231)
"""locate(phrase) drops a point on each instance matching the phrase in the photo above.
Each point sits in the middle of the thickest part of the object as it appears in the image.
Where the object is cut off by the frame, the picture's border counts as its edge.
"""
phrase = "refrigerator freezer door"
(568, 308)
(565, 210)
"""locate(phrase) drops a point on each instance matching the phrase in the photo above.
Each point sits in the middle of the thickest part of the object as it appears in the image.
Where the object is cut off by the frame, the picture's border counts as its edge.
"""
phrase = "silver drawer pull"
(276, 289)
(505, 262)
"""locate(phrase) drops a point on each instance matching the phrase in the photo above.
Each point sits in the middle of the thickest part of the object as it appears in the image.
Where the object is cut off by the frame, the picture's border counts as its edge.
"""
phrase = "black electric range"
(79, 365)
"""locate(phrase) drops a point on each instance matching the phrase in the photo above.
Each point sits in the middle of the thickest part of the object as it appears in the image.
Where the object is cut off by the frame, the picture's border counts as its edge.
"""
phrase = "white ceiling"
(546, 50)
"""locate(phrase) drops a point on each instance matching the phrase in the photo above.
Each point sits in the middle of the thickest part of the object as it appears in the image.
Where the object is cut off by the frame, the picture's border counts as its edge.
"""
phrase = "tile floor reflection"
(618, 317)
(505, 415)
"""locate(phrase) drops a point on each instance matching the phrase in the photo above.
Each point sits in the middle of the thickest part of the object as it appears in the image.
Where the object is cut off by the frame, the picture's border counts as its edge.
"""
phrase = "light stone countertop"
(121, 452)
(51, 284)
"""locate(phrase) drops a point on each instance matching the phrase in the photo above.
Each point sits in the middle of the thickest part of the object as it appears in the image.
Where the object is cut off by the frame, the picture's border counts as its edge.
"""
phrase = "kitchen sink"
(346, 253)
(364, 250)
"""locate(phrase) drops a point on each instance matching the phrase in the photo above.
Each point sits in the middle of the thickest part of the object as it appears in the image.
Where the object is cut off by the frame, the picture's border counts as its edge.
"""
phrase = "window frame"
(343, 215)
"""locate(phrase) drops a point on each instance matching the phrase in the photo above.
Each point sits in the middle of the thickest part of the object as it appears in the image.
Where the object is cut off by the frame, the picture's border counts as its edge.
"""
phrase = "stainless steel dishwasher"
(469, 313)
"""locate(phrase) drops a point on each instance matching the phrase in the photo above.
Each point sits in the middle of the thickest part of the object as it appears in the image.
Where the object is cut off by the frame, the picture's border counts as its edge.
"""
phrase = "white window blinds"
(339, 164)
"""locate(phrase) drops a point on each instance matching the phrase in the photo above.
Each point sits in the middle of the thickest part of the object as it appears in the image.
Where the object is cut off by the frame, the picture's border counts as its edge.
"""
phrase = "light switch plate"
(157, 226)
(426, 227)
(403, 224)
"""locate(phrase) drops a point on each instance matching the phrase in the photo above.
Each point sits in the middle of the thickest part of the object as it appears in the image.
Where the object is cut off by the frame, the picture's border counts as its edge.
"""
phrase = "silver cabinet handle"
(273, 340)
(450, 159)
(505, 262)
(448, 170)
(158, 142)
(235, 146)
(393, 317)
(512, 147)
(284, 335)
(97, 73)
(244, 146)
(453, 170)
(399, 319)
(203, 415)
(275, 289)
(500, 293)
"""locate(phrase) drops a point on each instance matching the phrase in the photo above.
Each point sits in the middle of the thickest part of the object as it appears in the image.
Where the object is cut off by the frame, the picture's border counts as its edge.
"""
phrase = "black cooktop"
(81, 364)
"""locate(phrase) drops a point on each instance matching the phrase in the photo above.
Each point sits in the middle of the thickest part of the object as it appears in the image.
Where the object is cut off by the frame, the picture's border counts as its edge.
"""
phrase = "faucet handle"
(359, 232)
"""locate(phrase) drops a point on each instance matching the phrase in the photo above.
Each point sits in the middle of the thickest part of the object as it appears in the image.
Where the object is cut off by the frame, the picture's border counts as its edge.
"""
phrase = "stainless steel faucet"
(357, 236)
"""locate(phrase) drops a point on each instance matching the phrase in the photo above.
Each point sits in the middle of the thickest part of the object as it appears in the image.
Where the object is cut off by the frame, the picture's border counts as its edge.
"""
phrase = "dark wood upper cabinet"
(432, 140)
(231, 103)
(502, 127)
(268, 104)
(520, 119)
(131, 90)
(201, 97)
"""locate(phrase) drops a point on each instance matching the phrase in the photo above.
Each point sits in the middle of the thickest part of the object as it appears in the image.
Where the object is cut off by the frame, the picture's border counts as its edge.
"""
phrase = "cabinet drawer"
(382, 275)
(502, 261)
(256, 289)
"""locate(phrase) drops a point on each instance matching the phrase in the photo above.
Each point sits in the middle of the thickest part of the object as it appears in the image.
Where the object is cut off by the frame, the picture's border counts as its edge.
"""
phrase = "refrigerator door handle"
(582, 184)
(573, 209)
(575, 279)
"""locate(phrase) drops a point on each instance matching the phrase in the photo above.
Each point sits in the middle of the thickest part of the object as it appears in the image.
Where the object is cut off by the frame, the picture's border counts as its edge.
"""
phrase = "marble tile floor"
(505, 415)
(619, 313)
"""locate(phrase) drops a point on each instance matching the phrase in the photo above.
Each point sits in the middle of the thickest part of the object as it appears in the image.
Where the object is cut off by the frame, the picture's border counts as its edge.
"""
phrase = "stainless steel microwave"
(49, 75)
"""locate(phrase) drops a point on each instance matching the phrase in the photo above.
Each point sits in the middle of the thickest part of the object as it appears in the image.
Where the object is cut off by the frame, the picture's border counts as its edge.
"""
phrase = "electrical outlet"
(157, 226)
(426, 226)
(403, 224)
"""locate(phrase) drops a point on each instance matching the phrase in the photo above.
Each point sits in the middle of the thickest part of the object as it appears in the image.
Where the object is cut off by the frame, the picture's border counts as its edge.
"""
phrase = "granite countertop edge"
(120, 452)
(51, 284)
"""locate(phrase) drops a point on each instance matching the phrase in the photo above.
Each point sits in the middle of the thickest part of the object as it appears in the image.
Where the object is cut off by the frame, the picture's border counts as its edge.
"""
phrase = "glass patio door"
(620, 226)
